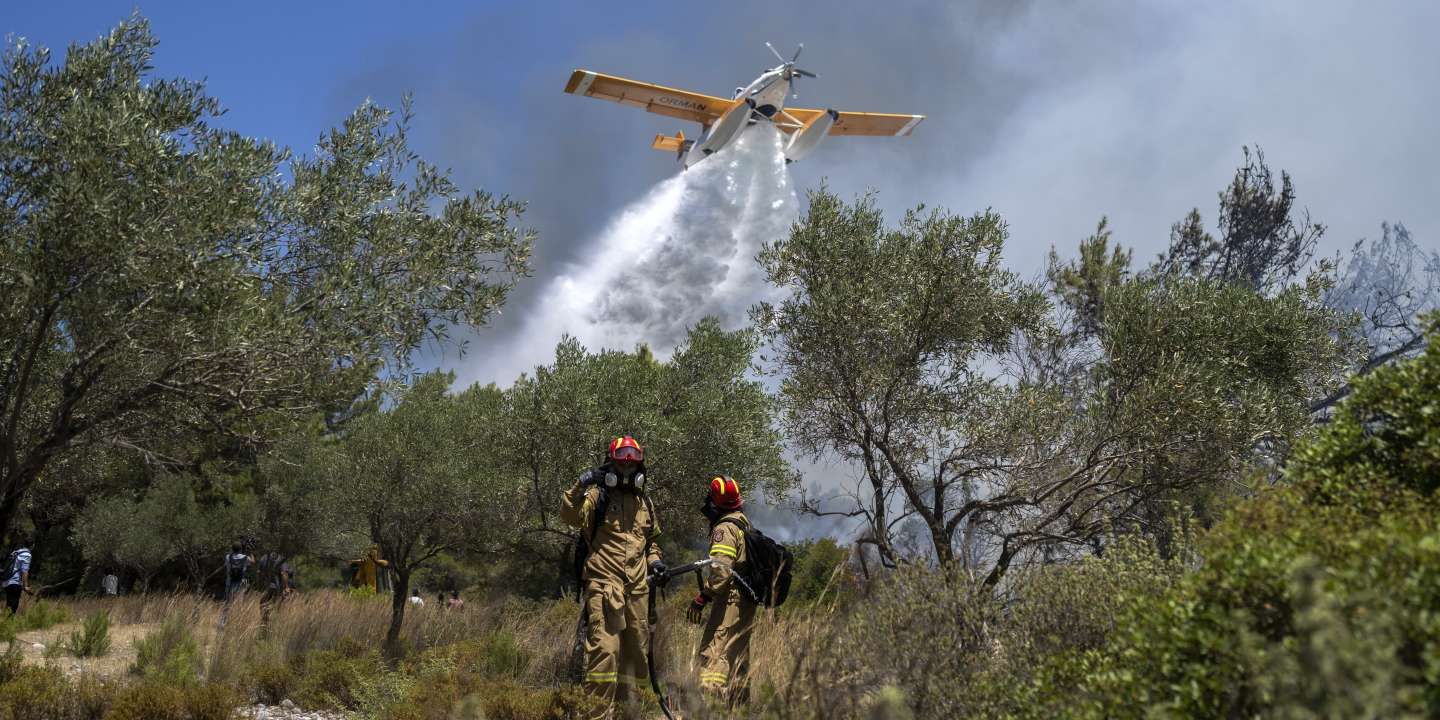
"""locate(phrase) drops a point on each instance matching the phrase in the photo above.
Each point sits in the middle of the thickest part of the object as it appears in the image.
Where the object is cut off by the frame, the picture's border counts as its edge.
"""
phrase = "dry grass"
(540, 634)
(324, 619)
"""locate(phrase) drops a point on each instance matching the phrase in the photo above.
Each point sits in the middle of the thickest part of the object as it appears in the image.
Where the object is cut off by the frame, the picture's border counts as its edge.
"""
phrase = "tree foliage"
(696, 414)
(162, 275)
(419, 479)
(880, 347)
(1263, 244)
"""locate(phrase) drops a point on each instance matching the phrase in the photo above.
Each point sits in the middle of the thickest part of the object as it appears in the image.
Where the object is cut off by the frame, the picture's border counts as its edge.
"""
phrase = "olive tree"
(897, 351)
(881, 348)
(164, 523)
(161, 275)
(418, 479)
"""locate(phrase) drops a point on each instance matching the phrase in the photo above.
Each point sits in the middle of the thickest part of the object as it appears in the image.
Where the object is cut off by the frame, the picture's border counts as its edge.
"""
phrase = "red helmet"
(625, 448)
(725, 492)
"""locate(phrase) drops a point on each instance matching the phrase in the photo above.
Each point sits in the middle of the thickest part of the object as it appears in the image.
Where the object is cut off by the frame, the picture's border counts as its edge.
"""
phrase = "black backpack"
(10, 565)
(765, 577)
(235, 566)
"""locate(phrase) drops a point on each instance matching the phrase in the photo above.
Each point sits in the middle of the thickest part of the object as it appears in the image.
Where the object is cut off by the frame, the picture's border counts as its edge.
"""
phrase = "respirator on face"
(636, 481)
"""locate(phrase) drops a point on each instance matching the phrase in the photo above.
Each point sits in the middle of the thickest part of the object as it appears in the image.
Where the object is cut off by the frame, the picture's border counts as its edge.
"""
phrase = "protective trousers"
(725, 649)
(615, 645)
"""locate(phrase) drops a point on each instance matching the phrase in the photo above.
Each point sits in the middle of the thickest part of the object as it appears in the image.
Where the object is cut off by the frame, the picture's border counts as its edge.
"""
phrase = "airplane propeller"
(790, 68)
(776, 53)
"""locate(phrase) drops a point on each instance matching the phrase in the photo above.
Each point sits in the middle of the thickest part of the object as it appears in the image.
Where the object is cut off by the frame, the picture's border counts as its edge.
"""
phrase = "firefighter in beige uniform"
(617, 521)
(725, 642)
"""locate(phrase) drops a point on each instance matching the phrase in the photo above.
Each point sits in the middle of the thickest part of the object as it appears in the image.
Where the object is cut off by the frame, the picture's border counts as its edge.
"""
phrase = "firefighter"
(618, 528)
(725, 643)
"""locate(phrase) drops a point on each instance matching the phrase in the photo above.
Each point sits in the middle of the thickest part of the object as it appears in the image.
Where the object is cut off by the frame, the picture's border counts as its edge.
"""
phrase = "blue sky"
(289, 70)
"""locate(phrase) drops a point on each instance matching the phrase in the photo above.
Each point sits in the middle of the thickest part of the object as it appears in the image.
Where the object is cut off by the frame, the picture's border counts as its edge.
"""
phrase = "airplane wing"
(858, 123)
(683, 104)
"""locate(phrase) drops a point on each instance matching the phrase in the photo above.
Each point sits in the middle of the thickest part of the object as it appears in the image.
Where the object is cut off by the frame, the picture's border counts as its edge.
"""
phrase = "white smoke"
(683, 251)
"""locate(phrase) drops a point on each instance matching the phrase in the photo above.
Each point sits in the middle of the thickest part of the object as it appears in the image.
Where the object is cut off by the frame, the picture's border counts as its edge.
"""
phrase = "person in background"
(455, 602)
(276, 580)
(17, 579)
(416, 600)
(110, 584)
(368, 569)
(237, 566)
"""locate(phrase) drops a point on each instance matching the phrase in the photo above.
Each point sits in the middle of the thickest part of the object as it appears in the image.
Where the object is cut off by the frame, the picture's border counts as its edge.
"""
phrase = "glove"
(657, 570)
(696, 613)
(590, 477)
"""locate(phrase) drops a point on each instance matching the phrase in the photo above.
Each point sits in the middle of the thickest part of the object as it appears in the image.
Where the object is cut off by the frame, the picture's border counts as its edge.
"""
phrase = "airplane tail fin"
(672, 144)
(678, 144)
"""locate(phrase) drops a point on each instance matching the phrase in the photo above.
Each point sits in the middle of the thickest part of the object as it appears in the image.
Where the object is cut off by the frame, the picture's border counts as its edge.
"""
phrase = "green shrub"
(822, 567)
(11, 662)
(93, 638)
(148, 700)
(211, 701)
(335, 680)
(504, 657)
(270, 680)
(41, 693)
(170, 655)
(1316, 599)
(38, 615)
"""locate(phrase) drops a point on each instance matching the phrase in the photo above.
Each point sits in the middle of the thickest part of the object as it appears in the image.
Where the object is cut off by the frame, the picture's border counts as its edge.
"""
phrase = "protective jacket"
(619, 526)
(621, 537)
(725, 640)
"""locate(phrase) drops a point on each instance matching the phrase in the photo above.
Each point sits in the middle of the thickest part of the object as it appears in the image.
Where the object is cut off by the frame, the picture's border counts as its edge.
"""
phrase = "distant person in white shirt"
(17, 577)
(110, 585)
(415, 599)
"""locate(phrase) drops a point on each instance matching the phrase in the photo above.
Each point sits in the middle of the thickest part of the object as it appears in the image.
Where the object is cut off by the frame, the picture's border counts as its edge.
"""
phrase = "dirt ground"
(33, 646)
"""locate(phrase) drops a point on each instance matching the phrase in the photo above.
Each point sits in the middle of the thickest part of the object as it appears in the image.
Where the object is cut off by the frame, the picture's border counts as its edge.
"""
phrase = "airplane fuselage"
(769, 91)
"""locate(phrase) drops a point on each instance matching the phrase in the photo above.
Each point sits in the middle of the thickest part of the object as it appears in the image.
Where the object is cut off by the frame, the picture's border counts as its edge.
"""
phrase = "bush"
(11, 662)
(504, 657)
(148, 700)
(93, 639)
(922, 630)
(38, 692)
(38, 615)
(43, 693)
(822, 567)
(334, 679)
(271, 680)
(1316, 599)
(170, 655)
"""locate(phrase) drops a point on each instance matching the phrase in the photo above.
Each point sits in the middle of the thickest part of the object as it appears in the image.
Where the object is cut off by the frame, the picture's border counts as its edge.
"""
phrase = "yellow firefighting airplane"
(721, 119)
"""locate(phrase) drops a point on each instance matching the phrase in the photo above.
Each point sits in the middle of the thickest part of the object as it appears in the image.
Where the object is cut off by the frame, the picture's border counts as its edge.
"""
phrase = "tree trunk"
(400, 595)
(944, 550)
(9, 507)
